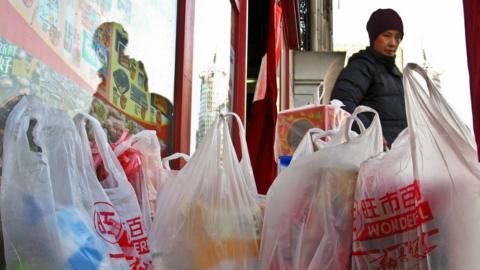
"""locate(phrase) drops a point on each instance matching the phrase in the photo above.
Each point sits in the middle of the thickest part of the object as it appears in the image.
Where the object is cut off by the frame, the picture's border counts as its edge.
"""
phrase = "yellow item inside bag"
(227, 248)
(210, 219)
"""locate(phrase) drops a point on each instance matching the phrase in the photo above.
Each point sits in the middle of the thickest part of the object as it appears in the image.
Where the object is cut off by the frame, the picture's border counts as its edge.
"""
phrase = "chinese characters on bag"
(394, 214)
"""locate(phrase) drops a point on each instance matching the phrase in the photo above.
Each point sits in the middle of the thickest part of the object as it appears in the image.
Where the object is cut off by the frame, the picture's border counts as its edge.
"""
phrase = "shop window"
(212, 74)
(112, 58)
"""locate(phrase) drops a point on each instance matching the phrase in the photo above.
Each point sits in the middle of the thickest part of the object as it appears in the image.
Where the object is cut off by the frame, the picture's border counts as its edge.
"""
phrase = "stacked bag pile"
(308, 217)
(69, 199)
(417, 206)
(350, 206)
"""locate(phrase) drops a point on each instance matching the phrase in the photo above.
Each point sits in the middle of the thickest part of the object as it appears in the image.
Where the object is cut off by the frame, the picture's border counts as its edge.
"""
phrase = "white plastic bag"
(417, 206)
(166, 160)
(308, 218)
(207, 218)
(317, 138)
(312, 141)
(292, 125)
(47, 223)
(166, 173)
(147, 179)
(122, 196)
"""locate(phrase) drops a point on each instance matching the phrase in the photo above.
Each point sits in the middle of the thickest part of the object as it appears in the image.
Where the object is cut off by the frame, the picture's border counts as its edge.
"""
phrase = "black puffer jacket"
(373, 80)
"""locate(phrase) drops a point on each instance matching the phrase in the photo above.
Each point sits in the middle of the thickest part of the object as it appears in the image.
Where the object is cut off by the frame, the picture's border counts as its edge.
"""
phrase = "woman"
(371, 77)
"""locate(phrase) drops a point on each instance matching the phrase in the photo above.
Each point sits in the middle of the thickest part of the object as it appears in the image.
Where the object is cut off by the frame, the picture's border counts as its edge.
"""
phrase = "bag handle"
(354, 117)
(432, 112)
(166, 160)
(317, 96)
(318, 133)
(327, 133)
(19, 124)
(245, 162)
(241, 130)
(111, 163)
(308, 142)
(142, 136)
(440, 105)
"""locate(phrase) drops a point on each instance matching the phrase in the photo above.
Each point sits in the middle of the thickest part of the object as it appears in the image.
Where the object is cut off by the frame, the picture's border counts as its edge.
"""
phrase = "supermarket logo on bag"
(107, 222)
(397, 224)
(396, 212)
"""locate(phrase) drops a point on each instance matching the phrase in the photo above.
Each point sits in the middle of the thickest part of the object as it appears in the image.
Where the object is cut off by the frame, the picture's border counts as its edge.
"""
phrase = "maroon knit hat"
(382, 20)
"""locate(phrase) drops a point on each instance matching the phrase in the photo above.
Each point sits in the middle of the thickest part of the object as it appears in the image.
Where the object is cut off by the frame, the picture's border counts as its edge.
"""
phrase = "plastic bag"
(417, 205)
(130, 159)
(107, 222)
(209, 216)
(166, 160)
(312, 141)
(123, 217)
(46, 221)
(143, 148)
(308, 218)
(166, 173)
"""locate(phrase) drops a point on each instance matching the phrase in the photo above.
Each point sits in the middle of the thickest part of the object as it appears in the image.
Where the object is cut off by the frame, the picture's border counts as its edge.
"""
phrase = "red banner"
(263, 116)
(471, 9)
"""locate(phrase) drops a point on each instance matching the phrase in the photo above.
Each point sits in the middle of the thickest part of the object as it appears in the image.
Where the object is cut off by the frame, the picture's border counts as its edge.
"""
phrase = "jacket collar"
(387, 61)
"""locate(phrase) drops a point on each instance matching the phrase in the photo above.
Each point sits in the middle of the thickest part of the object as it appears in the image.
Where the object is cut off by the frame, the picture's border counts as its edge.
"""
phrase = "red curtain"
(263, 116)
(471, 9)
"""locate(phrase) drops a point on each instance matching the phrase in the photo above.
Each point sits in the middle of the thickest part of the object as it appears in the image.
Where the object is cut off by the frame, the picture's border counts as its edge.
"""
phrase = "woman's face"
(387, 42)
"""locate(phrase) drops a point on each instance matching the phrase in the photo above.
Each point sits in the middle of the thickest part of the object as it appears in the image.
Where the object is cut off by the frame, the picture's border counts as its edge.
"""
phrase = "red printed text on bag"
(393, 213)
(396, 212)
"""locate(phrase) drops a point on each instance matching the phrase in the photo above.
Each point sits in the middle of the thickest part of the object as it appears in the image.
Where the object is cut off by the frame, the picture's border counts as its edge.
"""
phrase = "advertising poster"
(74, 31)
(22, 74)
(47, 49)
(66, 26)
(124, 84)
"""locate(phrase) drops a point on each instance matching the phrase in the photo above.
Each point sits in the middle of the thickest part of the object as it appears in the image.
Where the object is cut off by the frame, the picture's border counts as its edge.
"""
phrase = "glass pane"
(212, 65)
(66, 50)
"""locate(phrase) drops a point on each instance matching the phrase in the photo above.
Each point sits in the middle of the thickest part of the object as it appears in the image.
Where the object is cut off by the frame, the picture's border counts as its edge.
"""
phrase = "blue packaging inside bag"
(84, 249)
